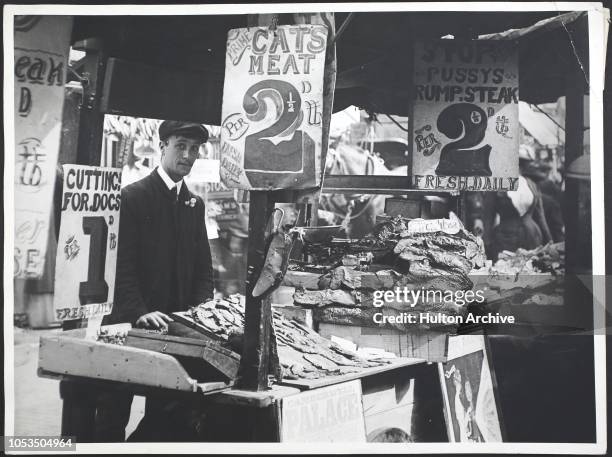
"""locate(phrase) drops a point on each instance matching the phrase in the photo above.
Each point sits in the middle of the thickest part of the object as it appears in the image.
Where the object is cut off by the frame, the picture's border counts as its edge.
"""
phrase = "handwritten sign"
(41, 49)
(271, 132)
(466, 128)
(451, 226)
(218, 194)
(88, 239)
(325, 415)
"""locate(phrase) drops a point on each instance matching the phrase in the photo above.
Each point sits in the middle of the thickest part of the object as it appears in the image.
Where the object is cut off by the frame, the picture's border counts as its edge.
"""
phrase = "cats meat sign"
(271, 132)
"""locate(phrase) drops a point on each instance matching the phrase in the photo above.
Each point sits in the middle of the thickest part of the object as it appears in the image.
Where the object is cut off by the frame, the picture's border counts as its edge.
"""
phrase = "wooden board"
(431, 346)
(428, 345)
(409, 208)
(261, 399)
(181, 329)
(65, 355)
(225, 361)
(305, 279)
(388, 402)
(307, 384)
(210, 388)
(184, 318)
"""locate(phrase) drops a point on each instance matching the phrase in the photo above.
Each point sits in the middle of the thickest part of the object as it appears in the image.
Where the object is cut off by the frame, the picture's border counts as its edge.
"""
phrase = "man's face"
(178, 155)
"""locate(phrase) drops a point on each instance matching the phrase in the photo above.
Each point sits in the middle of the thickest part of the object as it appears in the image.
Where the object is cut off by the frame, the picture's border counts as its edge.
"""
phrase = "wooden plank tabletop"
(66, 355)
(261, 399)
(307, 384)
(293, 387)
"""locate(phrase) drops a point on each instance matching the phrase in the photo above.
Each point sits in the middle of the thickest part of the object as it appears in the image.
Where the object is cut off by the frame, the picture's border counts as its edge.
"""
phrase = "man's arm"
(129, 304)
(540, 218)
(203, 286)
(489, 213)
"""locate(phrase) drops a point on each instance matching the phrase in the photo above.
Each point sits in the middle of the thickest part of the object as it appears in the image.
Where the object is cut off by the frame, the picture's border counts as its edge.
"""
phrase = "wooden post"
(91, 122)
(79, 408)
(574, 137)
(258, 312)
(254, 365)
(411, 97)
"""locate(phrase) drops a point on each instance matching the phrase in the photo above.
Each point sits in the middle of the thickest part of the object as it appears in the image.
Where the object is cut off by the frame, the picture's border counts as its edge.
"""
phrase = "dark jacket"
(163, 261)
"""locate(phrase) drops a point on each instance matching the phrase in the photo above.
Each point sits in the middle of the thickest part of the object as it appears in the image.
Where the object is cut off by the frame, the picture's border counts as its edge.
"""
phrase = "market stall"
(384, 382)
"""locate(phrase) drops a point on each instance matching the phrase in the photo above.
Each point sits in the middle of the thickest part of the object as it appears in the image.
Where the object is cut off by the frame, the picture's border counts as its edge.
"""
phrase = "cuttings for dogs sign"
(88, 240)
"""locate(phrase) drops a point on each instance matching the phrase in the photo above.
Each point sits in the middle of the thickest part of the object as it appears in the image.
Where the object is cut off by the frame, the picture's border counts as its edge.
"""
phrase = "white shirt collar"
(168, 180)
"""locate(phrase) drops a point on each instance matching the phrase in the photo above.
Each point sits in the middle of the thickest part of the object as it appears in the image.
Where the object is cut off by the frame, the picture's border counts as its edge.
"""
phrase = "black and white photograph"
(306, 228)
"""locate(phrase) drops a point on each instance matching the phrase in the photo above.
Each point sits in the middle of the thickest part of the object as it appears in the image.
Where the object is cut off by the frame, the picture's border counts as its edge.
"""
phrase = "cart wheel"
(389, 435)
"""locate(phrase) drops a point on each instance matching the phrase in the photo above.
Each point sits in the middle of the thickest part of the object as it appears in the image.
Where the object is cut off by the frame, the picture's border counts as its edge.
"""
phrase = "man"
(522, 221)
(164, 262)
(163, 265)
(552, 198)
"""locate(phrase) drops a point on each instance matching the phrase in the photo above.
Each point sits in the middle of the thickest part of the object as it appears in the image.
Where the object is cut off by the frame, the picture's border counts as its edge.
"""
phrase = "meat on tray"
(390, 229)
(301, 351)
(549, 259)
(364, 317)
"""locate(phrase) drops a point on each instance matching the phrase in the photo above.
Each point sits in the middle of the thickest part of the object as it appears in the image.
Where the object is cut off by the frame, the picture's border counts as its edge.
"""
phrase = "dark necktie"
(175, 193)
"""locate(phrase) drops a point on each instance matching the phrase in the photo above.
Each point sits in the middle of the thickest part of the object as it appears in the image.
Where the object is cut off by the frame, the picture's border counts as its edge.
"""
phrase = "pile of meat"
(547, 259)
(222, 317)
(300, 351)
(106, 336)
(303, 353)
(432, 255)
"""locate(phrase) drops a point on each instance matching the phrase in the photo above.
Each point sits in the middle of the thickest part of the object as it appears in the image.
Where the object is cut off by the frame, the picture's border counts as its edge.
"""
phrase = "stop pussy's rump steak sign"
(466, 123)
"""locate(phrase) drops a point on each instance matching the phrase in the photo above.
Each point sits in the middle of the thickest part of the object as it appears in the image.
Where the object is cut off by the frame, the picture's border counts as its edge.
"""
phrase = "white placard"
(450, 226)
(466, 126)
(41, 50)
(325, 415)
(88, 240)
(273, 107)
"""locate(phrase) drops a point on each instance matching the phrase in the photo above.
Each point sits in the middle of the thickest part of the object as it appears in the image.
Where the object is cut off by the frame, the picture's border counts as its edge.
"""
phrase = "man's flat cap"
(189, 129)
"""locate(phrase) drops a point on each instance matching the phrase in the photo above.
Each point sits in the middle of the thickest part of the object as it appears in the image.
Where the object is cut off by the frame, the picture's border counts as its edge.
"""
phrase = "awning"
(173, 66)
(540, 126)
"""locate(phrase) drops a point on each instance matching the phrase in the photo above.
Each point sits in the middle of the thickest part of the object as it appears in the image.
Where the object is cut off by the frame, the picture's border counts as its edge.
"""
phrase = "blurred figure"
(552, 197)
(137, 165)
(234, 236)
(522, 221)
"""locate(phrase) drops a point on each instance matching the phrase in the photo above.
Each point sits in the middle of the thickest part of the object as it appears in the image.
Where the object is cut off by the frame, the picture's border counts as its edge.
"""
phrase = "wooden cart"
(398, 395)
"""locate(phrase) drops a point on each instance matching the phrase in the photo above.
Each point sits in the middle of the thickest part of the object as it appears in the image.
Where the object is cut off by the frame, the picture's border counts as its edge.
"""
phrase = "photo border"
(597, 35)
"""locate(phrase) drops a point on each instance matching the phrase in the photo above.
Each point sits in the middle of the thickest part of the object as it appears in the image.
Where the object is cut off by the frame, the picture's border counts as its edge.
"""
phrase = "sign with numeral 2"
(466, 126)
(272, 121)
(88, 241)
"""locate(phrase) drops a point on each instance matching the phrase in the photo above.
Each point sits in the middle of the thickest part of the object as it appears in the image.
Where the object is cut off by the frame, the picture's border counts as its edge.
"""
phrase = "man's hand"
(155, 319)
